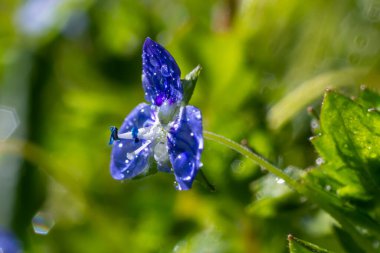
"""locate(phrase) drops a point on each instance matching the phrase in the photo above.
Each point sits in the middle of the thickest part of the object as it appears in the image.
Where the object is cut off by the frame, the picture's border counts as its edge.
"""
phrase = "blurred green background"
(69, 69)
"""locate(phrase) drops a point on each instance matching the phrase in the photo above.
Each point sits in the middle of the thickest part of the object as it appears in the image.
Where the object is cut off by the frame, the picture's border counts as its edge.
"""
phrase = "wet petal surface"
(121, 166)
(161, 75)
(185, 143)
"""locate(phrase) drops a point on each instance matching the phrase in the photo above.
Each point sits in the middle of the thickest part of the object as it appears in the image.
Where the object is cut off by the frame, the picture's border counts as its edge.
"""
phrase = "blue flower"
(8, 242)
(166, 130)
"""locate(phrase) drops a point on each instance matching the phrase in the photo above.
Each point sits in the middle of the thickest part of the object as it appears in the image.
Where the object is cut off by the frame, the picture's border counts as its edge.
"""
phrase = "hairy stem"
(252, 156)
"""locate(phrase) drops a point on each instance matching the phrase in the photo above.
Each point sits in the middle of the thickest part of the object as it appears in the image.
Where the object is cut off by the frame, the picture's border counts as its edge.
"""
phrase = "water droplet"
(191, 134)
(153, 61)
(177, 186)
(165, 71)
(130, 156)
(280, 180)
(314, 124)
(319, 161)
(127, 171)
(120, 145)
(126, 161)
(8, 122)
(197, 114)
(328, 188)
(42, 223)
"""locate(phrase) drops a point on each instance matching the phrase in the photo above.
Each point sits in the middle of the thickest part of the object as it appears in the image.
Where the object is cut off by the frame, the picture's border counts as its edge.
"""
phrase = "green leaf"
(349, 144)
(189, 83)
(347, 181)
(299, 246)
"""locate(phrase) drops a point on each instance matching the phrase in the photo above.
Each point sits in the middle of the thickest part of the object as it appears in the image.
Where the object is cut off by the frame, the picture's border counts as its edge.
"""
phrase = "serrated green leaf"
(346, 183)
(300, 246)
(350, 146)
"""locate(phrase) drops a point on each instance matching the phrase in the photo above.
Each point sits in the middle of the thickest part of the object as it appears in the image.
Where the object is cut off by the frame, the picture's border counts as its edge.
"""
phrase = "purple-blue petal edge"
(122, 167)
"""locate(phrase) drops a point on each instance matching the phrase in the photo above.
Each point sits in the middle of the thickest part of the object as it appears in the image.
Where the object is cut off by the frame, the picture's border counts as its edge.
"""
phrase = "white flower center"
(155, 135)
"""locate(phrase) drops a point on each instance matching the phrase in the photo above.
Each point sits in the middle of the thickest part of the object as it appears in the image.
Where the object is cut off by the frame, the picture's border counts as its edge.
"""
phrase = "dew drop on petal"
(120, 145)
(177, 186)
(42, 223)
(153, 61)
(165, 71)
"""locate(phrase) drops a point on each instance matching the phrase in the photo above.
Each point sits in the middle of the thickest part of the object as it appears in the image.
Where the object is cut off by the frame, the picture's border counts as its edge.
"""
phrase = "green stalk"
(254, 157)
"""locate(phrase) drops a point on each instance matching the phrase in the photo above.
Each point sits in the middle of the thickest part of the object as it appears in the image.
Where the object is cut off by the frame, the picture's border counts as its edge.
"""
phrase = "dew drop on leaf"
(319, 161)
(42, 223)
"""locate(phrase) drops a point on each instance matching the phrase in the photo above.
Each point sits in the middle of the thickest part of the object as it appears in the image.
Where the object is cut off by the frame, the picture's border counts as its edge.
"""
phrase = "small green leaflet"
(299, 246)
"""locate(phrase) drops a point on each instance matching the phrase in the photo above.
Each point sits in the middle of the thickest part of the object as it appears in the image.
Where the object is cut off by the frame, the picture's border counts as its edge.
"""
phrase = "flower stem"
(252, 156)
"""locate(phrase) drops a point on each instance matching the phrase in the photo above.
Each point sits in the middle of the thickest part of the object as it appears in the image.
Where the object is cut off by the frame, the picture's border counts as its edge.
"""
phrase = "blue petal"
(121, 167)
(8, 242)
(185, 143)
(161, 75)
